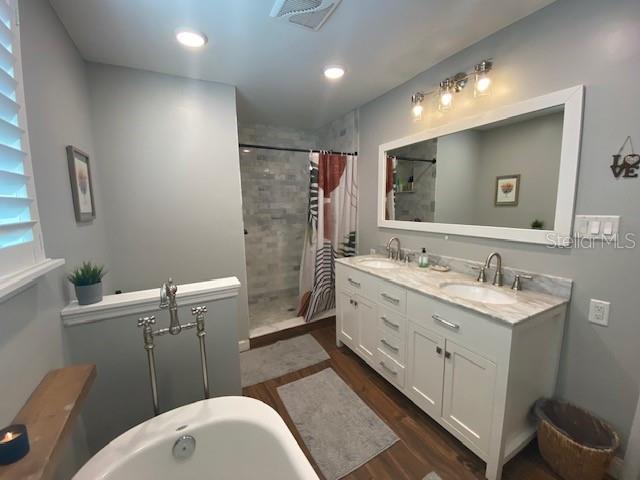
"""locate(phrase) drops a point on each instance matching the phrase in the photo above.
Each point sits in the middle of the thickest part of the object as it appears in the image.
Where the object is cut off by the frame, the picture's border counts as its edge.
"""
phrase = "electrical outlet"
(599, 312)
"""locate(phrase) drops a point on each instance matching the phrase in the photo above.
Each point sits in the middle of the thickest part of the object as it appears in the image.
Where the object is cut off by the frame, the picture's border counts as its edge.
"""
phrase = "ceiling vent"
(310, 14)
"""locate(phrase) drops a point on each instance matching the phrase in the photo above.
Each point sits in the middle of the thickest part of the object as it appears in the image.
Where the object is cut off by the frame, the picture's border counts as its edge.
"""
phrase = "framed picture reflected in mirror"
(507, 190)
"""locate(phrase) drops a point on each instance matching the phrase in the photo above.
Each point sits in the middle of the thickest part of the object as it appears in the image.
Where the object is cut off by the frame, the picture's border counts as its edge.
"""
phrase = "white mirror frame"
(572, 99)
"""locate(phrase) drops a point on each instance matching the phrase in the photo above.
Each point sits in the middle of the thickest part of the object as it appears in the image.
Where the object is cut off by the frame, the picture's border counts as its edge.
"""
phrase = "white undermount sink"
(379, 263)
(478, 293)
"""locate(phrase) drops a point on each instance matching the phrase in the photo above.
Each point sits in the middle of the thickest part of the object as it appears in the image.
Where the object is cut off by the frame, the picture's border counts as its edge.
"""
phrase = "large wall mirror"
(509, 173)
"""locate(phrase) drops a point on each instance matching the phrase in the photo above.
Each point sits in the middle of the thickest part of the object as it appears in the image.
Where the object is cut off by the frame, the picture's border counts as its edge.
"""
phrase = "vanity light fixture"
(333, 72)
(417, 109)
(191, 38)
(448, 87)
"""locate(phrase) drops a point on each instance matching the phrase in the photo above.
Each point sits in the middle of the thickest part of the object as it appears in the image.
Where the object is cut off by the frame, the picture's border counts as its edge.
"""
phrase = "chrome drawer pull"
(353, 282)
(389, 298)
(444, 322)
(389, 346)
(390, 370)
(395, 326)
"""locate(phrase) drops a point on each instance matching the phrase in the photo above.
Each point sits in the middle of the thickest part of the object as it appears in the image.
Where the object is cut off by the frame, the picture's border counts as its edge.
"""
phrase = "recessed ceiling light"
(333, 72)
(191, 38)
(246, 150)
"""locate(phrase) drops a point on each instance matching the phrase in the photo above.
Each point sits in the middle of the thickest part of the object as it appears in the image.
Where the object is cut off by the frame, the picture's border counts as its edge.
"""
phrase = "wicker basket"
(575, 444)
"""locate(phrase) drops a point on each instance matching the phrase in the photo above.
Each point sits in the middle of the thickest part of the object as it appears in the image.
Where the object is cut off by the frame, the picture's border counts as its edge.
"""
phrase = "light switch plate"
(597, 226)
(599, 312)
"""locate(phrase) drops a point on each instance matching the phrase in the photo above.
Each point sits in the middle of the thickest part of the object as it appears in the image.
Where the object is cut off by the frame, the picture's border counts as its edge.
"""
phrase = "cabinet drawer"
(392, 296)
(391, 322)
(352, 280)
(389, 368)
(476, 331)
(392, 346)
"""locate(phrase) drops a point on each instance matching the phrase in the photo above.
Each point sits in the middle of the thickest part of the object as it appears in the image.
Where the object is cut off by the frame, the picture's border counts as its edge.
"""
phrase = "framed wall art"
(81, 184)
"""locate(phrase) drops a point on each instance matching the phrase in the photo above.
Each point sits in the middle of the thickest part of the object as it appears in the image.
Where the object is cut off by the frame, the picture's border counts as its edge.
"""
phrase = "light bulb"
(483, 84)
(483, 80)
(416, 111)
(446, 95)
(446, 99)
(191, 38)
(333, 72)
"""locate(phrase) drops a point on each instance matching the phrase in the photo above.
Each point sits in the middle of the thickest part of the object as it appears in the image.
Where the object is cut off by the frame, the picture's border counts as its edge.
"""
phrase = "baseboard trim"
(243, 345)
(270, 338)
(615, 469)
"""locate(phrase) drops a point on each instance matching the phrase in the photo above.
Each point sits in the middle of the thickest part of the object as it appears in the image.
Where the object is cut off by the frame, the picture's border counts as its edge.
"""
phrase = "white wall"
(570, 42)
(31, 340)
(170, 177)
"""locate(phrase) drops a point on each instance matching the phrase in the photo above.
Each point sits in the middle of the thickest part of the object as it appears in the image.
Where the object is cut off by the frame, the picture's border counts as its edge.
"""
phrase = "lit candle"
(14, 444)
(9, 436)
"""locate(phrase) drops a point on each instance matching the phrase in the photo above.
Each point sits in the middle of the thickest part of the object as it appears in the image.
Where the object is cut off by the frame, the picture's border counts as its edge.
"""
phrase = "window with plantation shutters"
(20, 238)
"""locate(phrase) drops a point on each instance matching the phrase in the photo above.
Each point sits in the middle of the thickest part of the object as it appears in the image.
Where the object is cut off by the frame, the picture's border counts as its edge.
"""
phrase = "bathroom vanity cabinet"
(475, 374)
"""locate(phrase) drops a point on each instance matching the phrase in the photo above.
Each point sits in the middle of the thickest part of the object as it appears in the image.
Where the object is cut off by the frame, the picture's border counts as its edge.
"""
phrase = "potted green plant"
(537, 224)
(87, 280)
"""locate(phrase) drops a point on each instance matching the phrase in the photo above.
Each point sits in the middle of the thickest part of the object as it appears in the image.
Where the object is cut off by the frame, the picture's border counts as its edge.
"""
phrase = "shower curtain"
(390, 207)
(331, 229)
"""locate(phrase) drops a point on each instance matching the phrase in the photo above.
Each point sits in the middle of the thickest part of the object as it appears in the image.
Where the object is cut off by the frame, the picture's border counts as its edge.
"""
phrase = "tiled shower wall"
(420, 204)
(275, 192)
(275, 189)
(340, 135)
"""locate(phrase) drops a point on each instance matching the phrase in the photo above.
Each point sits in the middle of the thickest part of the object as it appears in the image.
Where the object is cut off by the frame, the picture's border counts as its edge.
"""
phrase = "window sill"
(16, 283)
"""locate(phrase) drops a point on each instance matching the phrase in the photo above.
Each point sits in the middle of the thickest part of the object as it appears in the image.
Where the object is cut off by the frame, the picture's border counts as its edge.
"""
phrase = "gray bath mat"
(285, 356)
(339, 429)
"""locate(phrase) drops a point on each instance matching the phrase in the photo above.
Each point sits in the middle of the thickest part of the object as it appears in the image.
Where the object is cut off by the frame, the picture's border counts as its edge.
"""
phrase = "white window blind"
(20, 237)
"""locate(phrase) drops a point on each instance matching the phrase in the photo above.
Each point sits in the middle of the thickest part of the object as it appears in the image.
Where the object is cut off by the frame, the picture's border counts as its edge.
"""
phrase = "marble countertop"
(528, 304)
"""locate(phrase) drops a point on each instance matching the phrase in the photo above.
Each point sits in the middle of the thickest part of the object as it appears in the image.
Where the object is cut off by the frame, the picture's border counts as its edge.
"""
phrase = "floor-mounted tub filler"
(222, 438)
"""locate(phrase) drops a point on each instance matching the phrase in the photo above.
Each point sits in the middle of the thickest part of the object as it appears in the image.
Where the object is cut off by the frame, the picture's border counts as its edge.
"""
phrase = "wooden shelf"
(49, 415)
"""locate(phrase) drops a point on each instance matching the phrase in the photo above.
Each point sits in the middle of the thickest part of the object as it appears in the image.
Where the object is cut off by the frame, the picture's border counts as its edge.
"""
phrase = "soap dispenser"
(423, 260)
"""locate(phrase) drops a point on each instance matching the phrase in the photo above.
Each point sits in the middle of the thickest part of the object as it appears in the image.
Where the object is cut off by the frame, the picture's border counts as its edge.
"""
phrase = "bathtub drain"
(184, 447)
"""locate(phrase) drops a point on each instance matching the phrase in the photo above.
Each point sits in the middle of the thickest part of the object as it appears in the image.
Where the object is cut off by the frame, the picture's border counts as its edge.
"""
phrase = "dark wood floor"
(424, 445)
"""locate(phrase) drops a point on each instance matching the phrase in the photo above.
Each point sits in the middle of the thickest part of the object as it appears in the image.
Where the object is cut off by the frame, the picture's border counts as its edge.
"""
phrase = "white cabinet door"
(425, 362)
(347, 319)
(367, 328)
(469, 383)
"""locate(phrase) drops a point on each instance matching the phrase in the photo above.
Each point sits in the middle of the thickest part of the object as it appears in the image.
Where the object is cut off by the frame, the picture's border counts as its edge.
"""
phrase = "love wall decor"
(627, 166)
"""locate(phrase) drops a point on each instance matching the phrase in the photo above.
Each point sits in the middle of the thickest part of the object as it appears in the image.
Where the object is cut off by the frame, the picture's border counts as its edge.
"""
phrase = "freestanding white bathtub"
(236, 438)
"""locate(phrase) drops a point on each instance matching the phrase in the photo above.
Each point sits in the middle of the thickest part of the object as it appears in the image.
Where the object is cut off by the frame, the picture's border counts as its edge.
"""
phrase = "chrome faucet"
(398, 252)
(497, 278)
(168, 293)
(168, 300)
